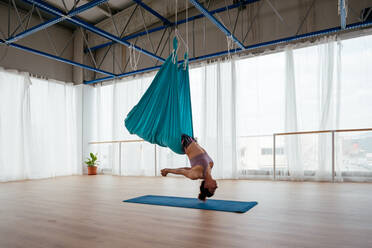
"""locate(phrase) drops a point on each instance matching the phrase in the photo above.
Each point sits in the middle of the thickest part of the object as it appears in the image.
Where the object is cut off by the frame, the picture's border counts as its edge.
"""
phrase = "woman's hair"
(204, 192)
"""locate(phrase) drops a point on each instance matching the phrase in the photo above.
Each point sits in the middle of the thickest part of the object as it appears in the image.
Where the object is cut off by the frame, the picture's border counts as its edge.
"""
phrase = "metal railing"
(332, 132)
(120, 142)
(315, 132)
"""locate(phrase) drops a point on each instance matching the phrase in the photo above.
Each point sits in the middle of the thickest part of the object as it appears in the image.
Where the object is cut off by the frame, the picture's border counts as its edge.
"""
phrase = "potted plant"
(92, 164)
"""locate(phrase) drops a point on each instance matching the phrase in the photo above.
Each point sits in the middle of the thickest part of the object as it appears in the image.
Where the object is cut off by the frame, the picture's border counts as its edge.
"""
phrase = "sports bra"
(203, 160)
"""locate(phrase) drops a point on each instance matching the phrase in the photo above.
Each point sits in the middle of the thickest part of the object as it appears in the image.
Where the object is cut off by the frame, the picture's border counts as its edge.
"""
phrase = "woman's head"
(207, 191)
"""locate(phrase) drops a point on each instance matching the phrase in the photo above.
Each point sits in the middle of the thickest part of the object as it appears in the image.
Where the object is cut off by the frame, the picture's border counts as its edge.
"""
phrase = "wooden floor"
(88, 212)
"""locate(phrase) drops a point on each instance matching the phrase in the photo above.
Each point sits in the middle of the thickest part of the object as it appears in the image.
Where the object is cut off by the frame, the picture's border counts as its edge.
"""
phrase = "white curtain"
(237, 106)
(54, 131)
(260, 113)
(292, 142)
(213, 103)
(311, 101)
(105, 110)
(14, 126)
(136, 158)
(38, 128)
(214, 114)
(327, 112)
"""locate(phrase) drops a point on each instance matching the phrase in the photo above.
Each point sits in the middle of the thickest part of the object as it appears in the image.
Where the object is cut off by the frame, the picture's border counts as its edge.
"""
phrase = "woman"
(201, 167)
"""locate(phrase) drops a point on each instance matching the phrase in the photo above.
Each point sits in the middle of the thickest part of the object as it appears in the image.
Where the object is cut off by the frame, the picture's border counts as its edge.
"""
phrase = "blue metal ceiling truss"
(11, 40)
(61, 16)
(70, 16)
(146, 7)
(60, 59)
(247, 48)
(52, 10)
(54, 21)
(213, 19)
(189, 19)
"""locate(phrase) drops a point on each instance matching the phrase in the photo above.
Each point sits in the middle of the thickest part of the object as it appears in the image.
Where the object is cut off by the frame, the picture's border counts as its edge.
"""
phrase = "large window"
(239, 104)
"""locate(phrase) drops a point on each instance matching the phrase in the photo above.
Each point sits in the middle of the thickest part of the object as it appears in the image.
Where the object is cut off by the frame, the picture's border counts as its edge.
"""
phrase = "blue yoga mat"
(217, 205)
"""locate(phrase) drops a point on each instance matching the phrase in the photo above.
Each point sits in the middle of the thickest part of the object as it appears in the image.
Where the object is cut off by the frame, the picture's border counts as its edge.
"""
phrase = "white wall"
(11, 58)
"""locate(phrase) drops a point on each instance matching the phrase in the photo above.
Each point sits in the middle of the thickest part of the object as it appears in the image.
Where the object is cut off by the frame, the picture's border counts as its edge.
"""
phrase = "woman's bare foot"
(164, 172)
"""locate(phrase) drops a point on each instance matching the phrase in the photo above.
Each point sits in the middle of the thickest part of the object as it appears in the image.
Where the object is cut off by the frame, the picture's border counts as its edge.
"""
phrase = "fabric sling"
(164, 112)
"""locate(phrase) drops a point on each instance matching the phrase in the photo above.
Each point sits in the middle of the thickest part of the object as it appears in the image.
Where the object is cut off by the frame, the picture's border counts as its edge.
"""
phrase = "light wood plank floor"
(88, 212)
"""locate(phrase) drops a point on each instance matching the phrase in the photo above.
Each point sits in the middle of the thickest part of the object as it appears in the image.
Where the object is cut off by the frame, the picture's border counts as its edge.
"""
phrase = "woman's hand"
(164, 172)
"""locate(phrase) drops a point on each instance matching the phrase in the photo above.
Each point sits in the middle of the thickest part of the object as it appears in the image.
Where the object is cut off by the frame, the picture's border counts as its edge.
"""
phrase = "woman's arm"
(191, 173)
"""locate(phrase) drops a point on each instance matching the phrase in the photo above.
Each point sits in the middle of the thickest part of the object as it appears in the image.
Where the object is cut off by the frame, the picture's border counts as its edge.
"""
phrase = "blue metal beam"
(126, 74)
(54, 21)
(255, 46)
(50, 56)
(342, 4)
(98, 80)
(192, 18)
(50, 9)
(146, 7)
(216, 22)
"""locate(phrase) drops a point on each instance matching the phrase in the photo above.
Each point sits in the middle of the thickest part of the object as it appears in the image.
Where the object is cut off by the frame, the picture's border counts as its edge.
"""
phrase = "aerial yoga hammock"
(163, 114)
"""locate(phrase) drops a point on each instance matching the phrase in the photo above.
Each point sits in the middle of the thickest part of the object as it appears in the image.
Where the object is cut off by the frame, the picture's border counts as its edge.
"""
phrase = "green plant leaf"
(92, 160)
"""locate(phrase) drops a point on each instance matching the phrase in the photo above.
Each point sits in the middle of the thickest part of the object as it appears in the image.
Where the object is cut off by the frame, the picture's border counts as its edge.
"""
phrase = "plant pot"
(92, 170)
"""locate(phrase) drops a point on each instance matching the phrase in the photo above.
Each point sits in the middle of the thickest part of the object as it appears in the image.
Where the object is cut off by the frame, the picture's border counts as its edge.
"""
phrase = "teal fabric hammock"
(164, 113)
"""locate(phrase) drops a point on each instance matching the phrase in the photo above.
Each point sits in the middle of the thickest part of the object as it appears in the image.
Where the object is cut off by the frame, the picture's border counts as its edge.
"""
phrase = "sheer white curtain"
(136, 158)
(294, 90)
(292, 143)
(260, 113)
(217, 116)
(107, 107)
(14, 125)
(54, 131)
(312, 94)
(38, 128)
(213, 103)
(237, 106)
(328, 113)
